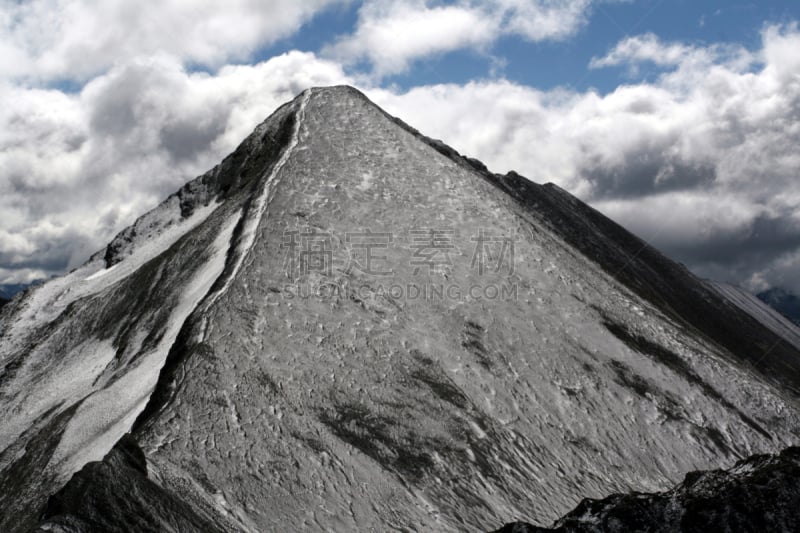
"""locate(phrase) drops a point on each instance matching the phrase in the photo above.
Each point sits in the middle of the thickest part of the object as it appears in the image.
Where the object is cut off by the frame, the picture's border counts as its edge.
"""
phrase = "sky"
(679, 119)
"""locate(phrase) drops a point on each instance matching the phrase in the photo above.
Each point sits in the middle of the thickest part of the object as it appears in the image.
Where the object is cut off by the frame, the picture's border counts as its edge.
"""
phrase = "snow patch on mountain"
(106, 415)
(47, 301)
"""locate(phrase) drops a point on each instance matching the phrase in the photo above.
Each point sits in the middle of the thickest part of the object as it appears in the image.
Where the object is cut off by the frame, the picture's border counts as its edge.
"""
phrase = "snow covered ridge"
(611, 369)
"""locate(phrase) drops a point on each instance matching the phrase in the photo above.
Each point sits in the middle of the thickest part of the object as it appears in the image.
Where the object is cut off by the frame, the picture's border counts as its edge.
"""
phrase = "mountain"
(3, 301)
(784, 302)
(9, 290)
(761, 493)
(348, 326)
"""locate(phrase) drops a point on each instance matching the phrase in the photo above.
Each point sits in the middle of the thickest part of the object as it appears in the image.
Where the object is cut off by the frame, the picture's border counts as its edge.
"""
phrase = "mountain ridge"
(782, 301)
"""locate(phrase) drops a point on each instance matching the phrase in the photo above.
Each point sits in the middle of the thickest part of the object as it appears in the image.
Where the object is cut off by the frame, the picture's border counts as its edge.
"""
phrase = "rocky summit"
(347, 326)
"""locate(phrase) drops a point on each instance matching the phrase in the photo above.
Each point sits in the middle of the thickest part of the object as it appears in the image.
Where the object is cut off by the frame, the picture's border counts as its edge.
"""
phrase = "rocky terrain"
(761, 493)
(348, 326)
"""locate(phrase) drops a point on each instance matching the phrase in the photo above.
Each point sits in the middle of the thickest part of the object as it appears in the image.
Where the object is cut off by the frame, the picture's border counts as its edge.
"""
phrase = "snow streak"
(255, 212)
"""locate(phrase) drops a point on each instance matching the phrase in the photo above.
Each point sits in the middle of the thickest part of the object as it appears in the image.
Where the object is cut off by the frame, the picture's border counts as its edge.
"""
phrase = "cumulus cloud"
(75, 39)
(648, 48)
(391, 34)
(540, 20)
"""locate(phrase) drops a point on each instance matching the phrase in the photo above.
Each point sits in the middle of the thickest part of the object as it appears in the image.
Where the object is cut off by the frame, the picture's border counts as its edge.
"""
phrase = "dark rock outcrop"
(115, 494)
(761, 493)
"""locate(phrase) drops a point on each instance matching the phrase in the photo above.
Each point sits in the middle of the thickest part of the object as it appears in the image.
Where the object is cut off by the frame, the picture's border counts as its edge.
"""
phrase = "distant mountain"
(784, 302)
(348, 326)
(8, 291)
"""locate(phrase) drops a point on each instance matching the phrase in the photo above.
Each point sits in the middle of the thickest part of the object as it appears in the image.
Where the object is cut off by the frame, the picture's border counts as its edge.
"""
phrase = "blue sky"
(550, 64)
(679, 119)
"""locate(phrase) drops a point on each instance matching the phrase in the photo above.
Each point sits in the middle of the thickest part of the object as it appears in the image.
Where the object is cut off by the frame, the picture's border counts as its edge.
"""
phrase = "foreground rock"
(116, 495)
(761, 493)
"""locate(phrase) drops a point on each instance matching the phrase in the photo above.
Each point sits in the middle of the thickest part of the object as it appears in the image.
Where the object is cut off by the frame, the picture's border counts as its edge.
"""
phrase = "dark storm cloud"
(185, 139)
(52, 253)
(760, 242)
(646, 170)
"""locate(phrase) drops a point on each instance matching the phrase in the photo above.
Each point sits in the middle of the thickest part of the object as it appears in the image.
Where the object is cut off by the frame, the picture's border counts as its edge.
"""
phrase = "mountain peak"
(346, 325)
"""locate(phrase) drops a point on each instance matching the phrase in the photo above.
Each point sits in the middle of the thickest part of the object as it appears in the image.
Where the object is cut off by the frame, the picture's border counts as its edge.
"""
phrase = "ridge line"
(252, 215)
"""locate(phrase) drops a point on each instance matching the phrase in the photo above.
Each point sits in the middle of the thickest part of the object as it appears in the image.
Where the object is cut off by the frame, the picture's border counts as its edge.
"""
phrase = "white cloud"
(648, 48)
(391, 34)
(540, 20)
(76, 39)
(641, 48)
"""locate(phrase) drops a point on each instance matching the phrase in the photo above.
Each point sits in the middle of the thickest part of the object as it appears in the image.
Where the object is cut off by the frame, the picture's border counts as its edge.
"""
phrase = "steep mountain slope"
(348, 326)
(665, 284)
(784, 302)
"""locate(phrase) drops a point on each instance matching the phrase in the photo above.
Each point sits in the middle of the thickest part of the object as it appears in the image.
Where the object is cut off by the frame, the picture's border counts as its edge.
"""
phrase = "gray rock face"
(761, 493)
(348, 326)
